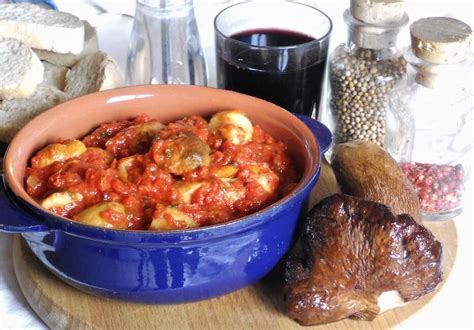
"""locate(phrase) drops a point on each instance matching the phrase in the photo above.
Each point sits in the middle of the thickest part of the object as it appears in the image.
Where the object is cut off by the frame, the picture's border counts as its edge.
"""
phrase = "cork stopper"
(378, 11)
(441, 40)
(373, 36)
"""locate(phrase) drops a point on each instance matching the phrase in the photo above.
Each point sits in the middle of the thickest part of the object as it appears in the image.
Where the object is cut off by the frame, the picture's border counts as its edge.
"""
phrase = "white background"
(452, 306)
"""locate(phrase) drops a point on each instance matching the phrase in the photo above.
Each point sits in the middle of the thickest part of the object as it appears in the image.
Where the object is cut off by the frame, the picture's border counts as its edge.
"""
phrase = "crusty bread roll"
(20, 69)
(93, 73)
(42, 28)
(54, 75)
(91, 45)
(16, 113)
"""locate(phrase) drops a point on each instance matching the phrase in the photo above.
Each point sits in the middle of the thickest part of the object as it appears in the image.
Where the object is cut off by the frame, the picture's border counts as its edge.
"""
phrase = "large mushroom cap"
(355, 254)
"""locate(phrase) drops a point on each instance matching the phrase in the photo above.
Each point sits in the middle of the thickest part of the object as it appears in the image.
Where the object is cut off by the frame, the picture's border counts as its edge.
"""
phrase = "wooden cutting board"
(256, 307)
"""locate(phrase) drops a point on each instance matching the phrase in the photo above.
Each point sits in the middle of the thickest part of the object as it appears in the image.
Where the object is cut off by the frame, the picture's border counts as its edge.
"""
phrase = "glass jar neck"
(164, 9)
(437, 76)
(162, 4)
(370, 53)
(382, 38)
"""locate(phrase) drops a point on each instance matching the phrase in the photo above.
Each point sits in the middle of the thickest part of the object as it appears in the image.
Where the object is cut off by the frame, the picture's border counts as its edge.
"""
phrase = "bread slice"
(20, 69)
(42, 28)
(93, 73)
(91, 45)
(55, 76)
(16, 113)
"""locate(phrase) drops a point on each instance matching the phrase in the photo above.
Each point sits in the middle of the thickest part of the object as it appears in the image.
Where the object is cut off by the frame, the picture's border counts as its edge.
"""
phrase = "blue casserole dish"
(159, 267)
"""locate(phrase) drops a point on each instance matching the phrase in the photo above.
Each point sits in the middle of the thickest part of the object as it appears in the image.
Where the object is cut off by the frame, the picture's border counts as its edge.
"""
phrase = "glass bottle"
(362, 72)
(165, 47)
(430, 116)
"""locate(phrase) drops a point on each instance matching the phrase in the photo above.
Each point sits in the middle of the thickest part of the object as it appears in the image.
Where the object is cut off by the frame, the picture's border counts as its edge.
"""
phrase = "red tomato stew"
(141, 174)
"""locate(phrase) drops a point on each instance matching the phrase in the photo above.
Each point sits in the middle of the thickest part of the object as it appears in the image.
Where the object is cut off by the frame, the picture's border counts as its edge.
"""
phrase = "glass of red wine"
(275, 51)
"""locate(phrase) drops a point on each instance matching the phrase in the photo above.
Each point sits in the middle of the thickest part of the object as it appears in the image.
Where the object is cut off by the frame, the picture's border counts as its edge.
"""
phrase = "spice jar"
(363, 71)
(430, 116)
(165, 46)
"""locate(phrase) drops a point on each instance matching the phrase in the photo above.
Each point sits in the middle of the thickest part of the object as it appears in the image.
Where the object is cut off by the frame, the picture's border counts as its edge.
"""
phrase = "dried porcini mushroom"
(354, 254)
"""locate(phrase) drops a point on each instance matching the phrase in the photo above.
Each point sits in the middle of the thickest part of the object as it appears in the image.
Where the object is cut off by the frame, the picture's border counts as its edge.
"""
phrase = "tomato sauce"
(141, 174)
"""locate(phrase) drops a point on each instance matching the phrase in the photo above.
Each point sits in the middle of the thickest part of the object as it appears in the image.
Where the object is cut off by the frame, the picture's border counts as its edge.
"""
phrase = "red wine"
(272, 38)
(290, 76)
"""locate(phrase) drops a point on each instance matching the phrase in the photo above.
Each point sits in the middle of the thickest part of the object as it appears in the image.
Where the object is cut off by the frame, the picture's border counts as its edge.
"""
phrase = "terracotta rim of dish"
(63, 111)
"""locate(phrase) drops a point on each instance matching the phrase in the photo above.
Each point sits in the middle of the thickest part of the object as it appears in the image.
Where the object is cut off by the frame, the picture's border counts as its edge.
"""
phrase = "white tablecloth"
(452, 306)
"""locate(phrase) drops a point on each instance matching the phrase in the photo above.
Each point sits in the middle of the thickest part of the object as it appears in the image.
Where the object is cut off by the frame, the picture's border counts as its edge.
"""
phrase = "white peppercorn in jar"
(363, 71)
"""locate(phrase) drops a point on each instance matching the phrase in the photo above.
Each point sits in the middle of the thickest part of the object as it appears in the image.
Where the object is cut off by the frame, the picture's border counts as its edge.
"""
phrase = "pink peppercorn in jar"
(439, 187)
(429, 121)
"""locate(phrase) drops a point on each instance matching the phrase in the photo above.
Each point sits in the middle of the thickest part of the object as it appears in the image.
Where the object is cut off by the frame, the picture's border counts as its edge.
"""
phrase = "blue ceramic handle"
(14, 219)
(322, 133)
(49, 3)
